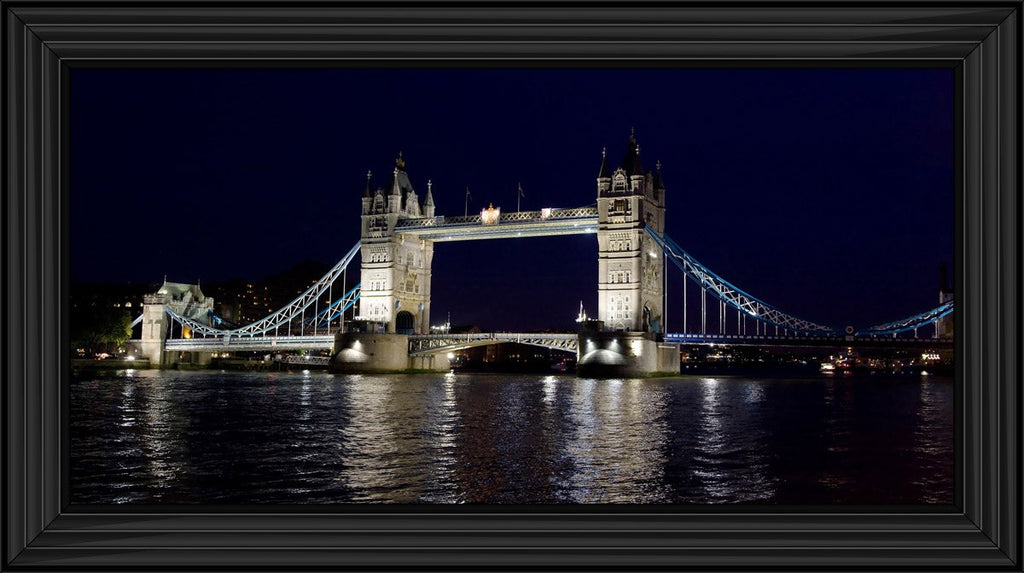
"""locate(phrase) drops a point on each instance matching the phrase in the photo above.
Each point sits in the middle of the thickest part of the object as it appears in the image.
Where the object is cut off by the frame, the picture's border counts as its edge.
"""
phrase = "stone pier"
(624, 355)
(369, 352)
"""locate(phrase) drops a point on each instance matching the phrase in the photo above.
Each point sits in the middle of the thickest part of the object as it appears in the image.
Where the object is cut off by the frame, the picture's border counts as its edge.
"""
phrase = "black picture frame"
(981, 41)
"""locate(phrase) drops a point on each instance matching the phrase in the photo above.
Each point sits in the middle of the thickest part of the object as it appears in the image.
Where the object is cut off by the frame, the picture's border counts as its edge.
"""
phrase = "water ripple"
(213, 437)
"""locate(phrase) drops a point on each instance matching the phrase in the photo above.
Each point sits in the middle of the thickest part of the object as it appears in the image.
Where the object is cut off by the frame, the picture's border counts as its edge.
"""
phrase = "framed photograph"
(92, 94)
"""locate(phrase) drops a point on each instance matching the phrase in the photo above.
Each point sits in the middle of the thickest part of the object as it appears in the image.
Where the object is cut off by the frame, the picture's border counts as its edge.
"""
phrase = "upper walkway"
(543, 223)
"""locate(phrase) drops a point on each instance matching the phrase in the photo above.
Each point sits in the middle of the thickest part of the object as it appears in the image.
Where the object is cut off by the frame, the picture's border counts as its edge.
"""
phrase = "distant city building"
(245, 302)
(128, 297)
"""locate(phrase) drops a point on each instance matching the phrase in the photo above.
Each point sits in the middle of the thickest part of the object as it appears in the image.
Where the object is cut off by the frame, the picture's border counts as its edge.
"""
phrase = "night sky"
(827, 193)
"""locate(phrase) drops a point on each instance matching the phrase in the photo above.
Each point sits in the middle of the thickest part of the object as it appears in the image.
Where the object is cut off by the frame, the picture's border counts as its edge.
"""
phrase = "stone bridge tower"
(630, 264)
(395, 270)
(185, 299)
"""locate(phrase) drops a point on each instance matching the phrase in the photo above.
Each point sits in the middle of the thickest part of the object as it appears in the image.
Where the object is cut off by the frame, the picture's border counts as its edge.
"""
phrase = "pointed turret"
(399, 187)
(659, 183)
(395, 187)
(428, 202)
(631, 160)
(604, 173)
(367, 194)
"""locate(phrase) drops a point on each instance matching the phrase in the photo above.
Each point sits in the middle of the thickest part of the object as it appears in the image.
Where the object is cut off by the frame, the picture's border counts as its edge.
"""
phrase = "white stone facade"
(395, 270)
(630, 264)
(184, 299)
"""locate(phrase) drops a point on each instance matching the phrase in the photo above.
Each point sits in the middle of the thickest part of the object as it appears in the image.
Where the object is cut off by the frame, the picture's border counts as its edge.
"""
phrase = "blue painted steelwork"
(733, 296)
(219, 320)
(801, 340)
(280, 319)
(346, 301)
(698, 338)
(910, 323)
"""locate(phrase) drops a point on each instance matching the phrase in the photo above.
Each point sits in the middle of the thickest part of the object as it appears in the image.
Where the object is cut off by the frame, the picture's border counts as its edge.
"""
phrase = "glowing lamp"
(490, 215)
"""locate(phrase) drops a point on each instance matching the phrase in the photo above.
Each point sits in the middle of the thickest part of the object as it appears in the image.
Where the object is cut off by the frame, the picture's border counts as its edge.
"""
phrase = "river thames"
(212, 437)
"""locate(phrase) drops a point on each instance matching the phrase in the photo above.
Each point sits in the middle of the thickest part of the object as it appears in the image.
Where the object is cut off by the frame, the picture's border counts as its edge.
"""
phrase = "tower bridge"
(383, 322)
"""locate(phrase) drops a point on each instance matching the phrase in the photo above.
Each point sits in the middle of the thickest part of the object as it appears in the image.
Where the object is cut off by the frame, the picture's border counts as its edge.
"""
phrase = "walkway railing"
(513, 217)
(307, 360)
(251, 343)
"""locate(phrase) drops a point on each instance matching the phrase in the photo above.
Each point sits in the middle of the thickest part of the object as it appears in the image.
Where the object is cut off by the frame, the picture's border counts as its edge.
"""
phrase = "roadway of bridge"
(566, 342)
(251, 343)
(809, 341)
(418, 344)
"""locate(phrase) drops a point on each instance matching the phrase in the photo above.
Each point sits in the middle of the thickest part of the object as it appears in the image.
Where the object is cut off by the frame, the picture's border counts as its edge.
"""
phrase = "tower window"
(620, 183)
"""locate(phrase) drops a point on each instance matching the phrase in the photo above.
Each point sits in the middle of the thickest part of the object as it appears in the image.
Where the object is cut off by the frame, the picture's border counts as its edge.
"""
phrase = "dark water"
(209, 437)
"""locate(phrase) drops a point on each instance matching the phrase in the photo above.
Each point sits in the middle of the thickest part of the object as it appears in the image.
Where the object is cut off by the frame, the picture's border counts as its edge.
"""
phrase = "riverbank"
(90, 364)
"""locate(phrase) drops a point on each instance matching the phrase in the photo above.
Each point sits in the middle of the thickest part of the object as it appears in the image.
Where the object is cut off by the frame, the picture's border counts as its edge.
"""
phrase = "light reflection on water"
(214, 437)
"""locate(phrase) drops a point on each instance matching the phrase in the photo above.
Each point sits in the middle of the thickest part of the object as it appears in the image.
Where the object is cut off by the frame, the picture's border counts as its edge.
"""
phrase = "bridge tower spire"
(428, 201)
(630, 264)
(395, 270)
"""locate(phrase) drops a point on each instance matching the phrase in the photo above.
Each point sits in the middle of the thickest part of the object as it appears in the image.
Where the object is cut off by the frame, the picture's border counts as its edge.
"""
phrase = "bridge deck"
(432, 343)
(755, 340)
(251, 344)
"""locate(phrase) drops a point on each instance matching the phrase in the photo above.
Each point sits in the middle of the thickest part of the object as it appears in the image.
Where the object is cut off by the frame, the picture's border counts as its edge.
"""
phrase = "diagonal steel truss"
(731, 295)
(279, 318)
(337, 307)
(911, 323)
(431, 343)
(518, 216)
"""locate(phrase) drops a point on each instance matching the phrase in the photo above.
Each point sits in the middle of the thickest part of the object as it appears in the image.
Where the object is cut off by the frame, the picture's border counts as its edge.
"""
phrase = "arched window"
(620, 182)
(404, 322)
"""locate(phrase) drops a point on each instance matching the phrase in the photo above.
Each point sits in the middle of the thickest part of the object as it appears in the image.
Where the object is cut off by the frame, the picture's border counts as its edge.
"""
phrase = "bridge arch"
(405, 322)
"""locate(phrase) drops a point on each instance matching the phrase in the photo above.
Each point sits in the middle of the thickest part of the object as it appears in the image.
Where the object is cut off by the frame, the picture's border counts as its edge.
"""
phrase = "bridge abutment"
(184, 299)
(432, 362)
(154, 329)
(624, 355)
(365, 352)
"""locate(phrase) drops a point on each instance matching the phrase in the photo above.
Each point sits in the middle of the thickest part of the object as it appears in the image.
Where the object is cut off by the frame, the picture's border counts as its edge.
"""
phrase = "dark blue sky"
(827, 193)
